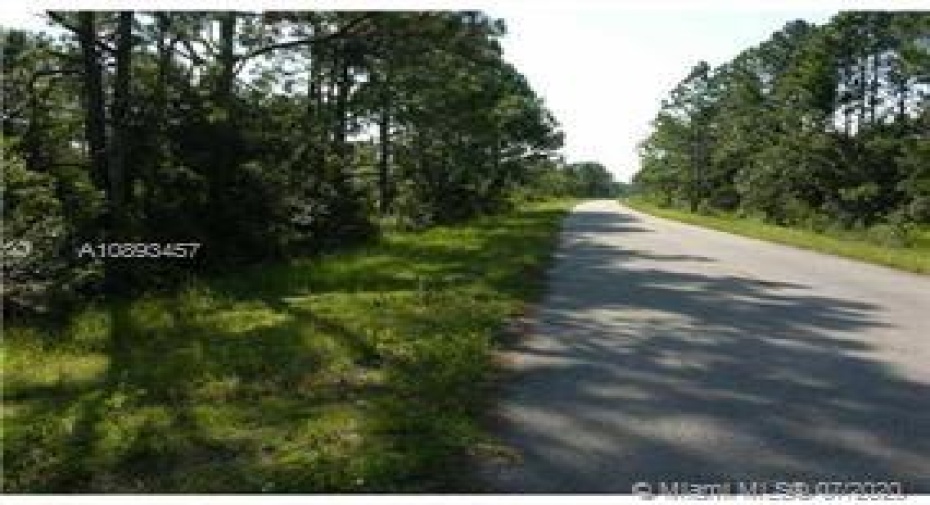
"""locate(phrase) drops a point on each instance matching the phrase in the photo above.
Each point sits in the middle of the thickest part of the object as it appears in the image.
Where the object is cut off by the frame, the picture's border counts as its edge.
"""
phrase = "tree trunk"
(162, 149)
(224, 88)
(119, 140)
(384, 136)
(902, 102)
(863, 92)
(314, 113)
(161, 80)
(340, 85)
(873, 88)
(341, 73)
(94, 112)
(31, 140)
(695, 173)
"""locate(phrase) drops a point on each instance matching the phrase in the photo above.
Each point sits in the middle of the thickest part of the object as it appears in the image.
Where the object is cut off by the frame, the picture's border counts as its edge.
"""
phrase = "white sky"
(602, 66)
(604, 71)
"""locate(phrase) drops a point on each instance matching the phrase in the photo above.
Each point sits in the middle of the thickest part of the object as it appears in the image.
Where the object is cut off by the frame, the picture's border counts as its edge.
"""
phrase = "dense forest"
(256, 137)
(823, 127)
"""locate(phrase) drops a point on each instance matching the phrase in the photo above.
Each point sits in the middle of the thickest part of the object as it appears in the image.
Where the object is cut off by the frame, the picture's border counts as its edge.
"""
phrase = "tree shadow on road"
(651, 373)
(605, 222)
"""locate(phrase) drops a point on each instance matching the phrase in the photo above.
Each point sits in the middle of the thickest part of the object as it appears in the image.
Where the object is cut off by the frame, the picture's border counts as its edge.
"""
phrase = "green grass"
(366, 370)
(855, 245)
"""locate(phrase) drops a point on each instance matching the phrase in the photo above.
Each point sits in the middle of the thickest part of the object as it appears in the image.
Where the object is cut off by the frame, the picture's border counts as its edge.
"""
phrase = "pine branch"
(342, 32)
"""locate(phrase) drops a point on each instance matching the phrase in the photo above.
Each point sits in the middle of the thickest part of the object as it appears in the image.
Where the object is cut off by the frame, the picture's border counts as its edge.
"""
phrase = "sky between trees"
(637, 56)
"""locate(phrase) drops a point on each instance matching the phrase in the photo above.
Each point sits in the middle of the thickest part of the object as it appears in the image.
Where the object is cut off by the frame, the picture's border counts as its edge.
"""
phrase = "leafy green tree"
(815, 126)
(264, 134)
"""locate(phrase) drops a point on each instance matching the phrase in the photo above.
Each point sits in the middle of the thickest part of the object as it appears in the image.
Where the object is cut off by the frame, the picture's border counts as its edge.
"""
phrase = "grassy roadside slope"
(915, 258)
(360, 371)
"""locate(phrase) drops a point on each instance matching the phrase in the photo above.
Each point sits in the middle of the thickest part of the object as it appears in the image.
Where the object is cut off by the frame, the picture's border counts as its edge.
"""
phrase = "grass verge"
(358, 372)
(915, 258)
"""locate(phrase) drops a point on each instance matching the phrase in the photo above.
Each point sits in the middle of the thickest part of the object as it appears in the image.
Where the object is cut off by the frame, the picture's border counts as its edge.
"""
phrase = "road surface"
(665, 352)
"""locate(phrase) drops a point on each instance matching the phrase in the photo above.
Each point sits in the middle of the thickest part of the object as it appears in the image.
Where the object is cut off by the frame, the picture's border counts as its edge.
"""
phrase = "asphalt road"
(665, 352)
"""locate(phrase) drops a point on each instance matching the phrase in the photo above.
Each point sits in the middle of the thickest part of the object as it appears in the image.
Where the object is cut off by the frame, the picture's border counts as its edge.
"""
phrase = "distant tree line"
(260, 135)
(586, 179)
(819, 126)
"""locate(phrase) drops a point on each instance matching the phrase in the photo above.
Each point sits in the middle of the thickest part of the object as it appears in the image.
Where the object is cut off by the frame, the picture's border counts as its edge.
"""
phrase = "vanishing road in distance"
(665, 352)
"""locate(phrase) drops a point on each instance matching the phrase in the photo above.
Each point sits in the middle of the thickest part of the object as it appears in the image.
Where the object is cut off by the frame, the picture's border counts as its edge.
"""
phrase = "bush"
(890, 234)
(33, 236)
(919, 209)
(705, 208)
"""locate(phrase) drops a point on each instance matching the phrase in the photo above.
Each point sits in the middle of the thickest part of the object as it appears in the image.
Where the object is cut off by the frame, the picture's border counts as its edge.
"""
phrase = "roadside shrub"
(818, 222)
(890, 235)
(705, 208)
(919, 209)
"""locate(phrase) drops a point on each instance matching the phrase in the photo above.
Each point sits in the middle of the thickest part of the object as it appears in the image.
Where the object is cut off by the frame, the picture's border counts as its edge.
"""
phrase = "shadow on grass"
(355, 373)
